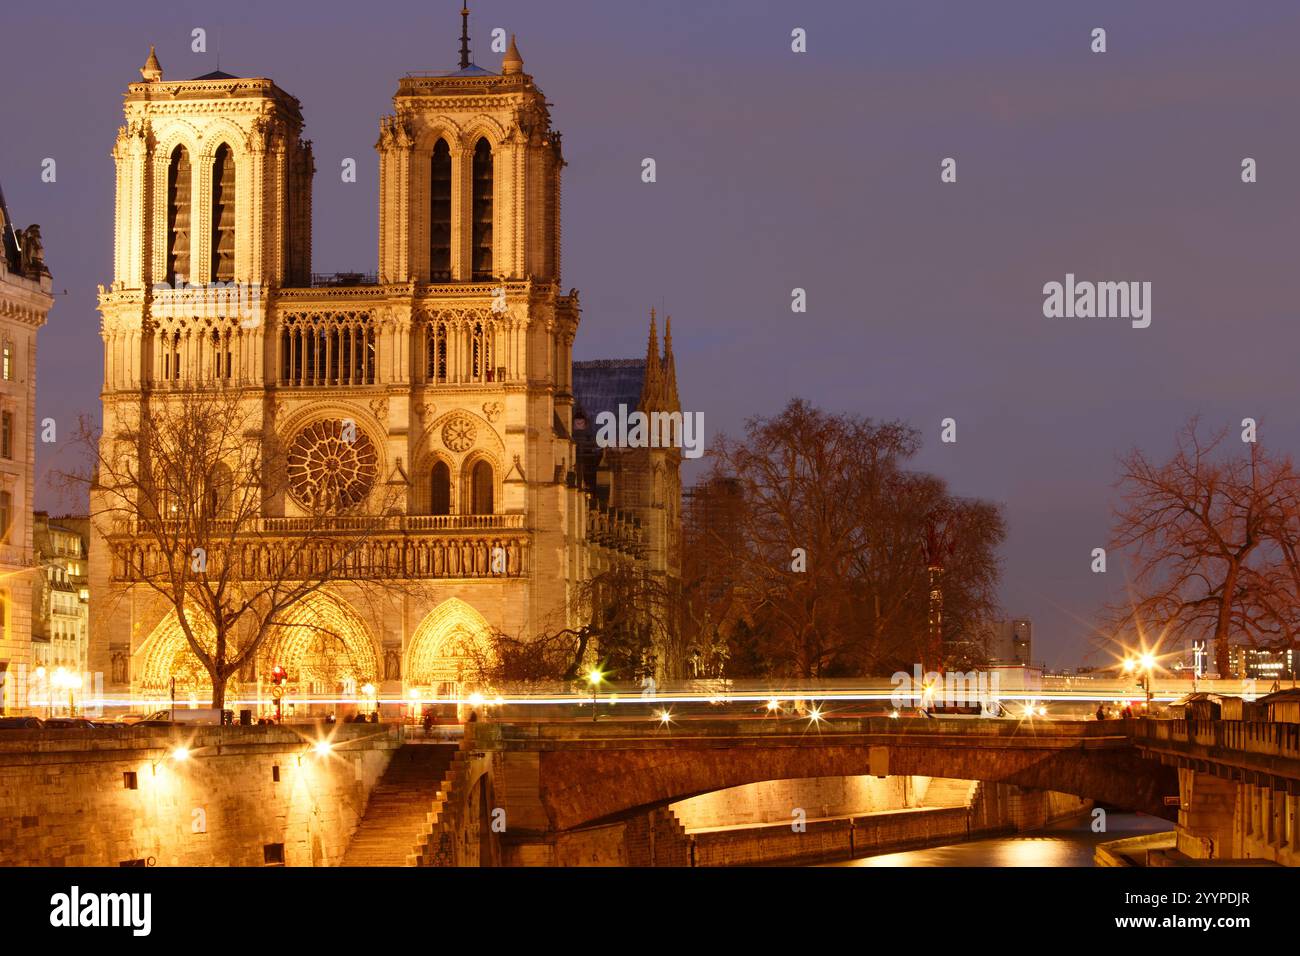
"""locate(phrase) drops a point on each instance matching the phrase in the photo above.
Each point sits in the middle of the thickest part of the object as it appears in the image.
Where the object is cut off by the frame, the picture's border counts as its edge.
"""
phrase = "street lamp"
(63, 680)
(1144, 666)
(594, 677)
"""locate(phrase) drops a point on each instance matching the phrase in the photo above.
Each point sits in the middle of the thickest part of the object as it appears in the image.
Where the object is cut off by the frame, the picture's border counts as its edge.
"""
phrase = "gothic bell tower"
(213, 183)
(213, 189)
(469, 176)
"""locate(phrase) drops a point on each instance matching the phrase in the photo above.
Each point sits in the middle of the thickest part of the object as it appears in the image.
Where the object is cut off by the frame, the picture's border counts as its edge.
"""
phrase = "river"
(1064, 844)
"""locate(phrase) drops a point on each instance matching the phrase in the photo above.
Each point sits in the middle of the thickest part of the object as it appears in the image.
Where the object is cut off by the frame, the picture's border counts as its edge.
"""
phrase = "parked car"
(21, 723)
(159, 718)
(987, 709)
(69, 723)
(132, 718)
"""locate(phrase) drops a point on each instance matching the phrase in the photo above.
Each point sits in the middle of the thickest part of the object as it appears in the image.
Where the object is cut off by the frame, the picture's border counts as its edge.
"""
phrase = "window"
(331, 349)
(222, 360)
(440, 485)
(7, 435)
(481, 489)
(130, 781)
(178, 216)
(6, 516)
(273, 854)
(481, 251)
(217, 500)
(437, 358)
(171, 356)
(223, 215)
(8, 361)
(440, 213)
(275, 772)
(480, 353)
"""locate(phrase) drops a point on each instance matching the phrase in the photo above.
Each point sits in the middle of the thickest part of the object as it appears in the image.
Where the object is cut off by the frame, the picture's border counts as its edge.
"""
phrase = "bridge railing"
(1247, 736)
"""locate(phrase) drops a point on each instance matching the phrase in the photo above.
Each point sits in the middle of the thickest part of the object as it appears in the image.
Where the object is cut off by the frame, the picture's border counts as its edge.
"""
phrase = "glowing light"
(1042, 711)
(181, 754)
(594, 677)
(1129, 665)
(323, 748)
(1148, 661)
(773, 704)
(475, 699)
(368, 690)
(815, 715)
(893, 714)
(665, 716)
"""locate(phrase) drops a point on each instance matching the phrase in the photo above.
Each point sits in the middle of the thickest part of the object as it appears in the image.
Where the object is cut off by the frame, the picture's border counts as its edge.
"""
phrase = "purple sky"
(819, 170)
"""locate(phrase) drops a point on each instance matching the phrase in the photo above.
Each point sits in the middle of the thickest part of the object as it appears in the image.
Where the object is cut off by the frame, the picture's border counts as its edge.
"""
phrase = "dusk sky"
(819, 170)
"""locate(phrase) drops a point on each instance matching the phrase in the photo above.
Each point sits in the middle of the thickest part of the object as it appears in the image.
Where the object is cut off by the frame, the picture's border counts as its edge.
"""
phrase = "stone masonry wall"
(67, 798)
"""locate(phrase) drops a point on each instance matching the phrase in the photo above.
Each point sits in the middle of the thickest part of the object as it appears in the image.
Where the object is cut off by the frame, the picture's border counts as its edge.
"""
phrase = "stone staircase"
(403, 807)
(947, 792)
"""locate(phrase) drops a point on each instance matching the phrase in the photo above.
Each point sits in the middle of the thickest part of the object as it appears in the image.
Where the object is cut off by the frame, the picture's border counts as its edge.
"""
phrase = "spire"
(151, 72)
(512, 62)
(652, 384)
(670, 368)
(464, 36)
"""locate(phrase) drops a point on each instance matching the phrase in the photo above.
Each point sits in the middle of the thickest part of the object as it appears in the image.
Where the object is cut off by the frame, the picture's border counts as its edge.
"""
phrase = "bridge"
(566, 791)
(584, 773)
(554, 783)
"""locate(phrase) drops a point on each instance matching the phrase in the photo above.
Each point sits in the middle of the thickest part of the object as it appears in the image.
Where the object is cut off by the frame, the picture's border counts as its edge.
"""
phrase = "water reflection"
(1065, 844)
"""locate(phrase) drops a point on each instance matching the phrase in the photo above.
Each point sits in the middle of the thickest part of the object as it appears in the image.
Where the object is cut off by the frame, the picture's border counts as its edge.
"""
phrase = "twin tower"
(440, 387)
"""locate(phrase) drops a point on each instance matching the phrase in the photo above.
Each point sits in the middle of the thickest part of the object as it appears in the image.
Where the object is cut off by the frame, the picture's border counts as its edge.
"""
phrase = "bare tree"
(179, 489)
(1203, 531)
(829, 543)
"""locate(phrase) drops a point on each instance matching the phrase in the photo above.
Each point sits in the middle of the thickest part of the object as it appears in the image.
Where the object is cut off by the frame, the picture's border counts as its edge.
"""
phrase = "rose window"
(332, 465)
(458, 434)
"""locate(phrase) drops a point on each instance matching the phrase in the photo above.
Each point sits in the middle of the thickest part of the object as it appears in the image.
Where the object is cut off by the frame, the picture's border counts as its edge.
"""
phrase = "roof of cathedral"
(216, 75)
(601, 385)
(472, 70)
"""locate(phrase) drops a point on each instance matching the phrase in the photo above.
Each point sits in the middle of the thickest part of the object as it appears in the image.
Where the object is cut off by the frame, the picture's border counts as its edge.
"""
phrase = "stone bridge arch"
(581, 783)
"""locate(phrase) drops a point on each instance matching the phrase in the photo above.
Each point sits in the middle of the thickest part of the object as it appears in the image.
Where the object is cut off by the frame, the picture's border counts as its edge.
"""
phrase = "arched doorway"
(448, 658)
(328, 653)
(165, 656)
(321, 642)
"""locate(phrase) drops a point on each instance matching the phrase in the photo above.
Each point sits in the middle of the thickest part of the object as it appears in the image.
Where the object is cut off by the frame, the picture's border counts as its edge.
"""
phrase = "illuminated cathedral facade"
(452, 365)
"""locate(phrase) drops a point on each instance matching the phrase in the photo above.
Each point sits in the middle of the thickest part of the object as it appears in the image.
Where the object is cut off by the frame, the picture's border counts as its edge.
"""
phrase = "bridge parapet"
(622, 734)
(1257, 737)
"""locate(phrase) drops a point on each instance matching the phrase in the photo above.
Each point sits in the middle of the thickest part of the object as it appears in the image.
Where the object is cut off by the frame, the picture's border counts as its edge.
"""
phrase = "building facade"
(60, 593)
(1010, 642)
(451, 365)
(25, 301)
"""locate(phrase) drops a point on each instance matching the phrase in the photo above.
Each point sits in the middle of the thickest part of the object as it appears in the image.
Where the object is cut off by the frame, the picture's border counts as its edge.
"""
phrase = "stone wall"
(244, 796)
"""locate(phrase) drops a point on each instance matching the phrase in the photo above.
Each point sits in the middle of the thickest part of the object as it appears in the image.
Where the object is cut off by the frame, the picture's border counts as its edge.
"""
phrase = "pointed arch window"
(217, 499)
(440, 213)
(481, 241)
(223, 215)
(437, 349)
(480, 354)
(481, 482)
(178, 216)
(440, 489)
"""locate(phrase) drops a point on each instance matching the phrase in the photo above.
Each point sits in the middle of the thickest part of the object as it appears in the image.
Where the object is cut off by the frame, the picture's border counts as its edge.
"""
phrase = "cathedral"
(438, 394)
